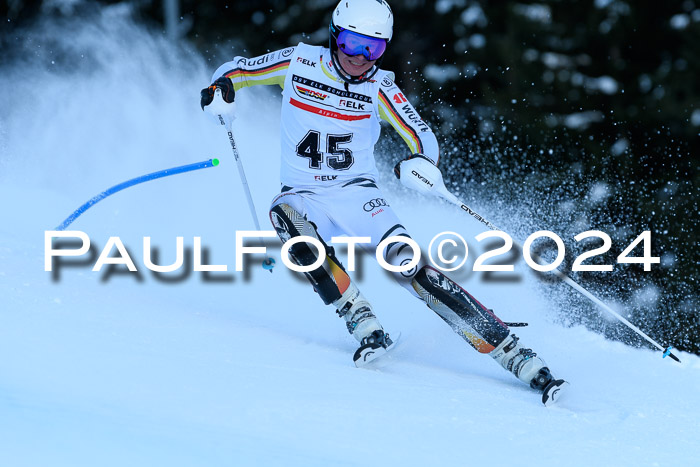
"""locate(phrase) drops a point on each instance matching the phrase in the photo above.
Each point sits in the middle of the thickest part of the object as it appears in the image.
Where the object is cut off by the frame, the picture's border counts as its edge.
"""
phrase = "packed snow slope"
(249, 368)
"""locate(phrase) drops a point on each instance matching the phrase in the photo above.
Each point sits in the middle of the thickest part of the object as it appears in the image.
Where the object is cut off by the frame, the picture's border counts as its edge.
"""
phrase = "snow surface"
(252, 369)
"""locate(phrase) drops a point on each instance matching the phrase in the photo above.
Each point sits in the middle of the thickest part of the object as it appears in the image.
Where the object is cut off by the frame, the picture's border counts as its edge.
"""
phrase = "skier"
(333, 101)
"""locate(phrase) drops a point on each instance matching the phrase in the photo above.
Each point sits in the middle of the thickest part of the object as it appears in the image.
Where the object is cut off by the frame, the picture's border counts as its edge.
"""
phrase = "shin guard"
(330, 279)
(469, 318)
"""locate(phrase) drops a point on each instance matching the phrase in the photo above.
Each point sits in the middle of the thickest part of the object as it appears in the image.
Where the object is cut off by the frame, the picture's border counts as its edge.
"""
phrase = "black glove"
(227, 92)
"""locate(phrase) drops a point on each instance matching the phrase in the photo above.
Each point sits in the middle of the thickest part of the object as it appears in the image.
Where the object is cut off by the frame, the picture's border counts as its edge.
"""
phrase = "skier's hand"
(419, 173)
(221, 106)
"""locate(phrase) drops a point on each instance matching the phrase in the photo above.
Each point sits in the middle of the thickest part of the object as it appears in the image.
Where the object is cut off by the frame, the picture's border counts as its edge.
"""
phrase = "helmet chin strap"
(366, 76)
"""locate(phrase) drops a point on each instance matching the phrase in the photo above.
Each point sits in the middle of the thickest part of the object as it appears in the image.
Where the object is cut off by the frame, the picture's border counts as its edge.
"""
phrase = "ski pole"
(135, 181)
(269, 263)
(445, 194)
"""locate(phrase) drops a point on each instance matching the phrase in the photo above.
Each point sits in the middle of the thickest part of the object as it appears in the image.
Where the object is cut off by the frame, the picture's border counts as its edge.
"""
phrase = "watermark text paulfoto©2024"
(452, 240)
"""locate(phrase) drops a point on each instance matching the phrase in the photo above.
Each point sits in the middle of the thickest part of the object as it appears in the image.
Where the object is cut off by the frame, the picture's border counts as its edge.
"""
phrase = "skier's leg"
(475, 323)
(366, 213)
(330, 280)
(480, 327)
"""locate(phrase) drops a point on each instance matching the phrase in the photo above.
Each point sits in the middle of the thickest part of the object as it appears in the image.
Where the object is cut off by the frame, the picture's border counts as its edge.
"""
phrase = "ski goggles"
(352, 44)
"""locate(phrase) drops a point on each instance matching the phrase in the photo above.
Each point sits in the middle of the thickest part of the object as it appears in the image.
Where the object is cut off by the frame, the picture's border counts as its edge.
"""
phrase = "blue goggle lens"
(352, 44)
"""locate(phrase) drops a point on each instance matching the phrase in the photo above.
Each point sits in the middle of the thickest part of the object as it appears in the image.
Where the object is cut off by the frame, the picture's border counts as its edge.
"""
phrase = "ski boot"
(357, 312)
(529, 368)
(363, 325)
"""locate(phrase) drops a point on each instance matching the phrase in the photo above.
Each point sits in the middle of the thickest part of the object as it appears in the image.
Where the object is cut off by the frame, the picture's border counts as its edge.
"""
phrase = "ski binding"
(371, 351)
(554, 390)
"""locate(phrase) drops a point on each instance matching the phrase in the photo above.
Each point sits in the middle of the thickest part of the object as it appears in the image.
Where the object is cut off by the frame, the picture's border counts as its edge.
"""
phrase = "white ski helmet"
(370, 18)
(367, 17)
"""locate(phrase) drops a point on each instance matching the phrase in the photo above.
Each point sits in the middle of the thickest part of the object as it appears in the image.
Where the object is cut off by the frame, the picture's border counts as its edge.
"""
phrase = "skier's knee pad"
(330, 279)
(469, 318)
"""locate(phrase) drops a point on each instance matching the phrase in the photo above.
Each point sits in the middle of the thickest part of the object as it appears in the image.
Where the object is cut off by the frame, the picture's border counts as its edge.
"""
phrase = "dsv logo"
(373, 204)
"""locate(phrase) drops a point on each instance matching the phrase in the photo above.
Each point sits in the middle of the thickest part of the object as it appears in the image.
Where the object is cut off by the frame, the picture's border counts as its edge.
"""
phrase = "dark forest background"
(586, 114)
